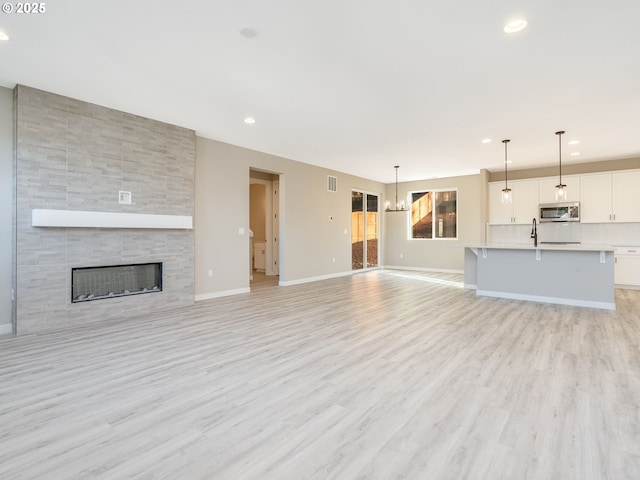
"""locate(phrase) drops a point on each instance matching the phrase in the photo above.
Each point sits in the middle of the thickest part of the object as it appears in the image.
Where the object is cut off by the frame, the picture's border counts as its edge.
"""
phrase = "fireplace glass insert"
(96, 283)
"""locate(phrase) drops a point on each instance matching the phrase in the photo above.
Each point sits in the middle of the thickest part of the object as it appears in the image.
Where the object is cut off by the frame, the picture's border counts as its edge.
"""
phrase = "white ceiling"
(353, 85)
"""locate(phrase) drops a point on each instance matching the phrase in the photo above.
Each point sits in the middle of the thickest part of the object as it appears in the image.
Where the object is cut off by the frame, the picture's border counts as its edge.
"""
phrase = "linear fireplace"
(97, 283)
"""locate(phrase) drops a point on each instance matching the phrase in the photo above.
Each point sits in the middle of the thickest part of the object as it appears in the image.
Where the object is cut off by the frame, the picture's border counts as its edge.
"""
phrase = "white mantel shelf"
(85, 219)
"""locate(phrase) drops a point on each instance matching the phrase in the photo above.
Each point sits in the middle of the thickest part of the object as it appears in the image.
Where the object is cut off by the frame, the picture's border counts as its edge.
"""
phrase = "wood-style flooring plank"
(381, 375)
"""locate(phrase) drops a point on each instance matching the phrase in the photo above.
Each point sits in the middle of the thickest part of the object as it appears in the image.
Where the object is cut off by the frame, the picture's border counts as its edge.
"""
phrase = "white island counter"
(580, 275)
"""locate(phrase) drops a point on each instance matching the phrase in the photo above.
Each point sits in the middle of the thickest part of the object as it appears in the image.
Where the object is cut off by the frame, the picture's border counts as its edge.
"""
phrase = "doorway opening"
(264, 225)
(365, 230)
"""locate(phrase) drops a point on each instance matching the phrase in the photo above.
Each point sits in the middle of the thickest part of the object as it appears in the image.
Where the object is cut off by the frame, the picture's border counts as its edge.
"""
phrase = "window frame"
(433, 218)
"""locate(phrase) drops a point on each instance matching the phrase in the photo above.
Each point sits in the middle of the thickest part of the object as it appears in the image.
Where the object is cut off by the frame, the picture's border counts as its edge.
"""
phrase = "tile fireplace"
(72, 160)
(97, 283)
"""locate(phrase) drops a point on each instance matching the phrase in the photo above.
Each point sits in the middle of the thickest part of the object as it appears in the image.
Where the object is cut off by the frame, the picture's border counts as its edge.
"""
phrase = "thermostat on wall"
(124, 197)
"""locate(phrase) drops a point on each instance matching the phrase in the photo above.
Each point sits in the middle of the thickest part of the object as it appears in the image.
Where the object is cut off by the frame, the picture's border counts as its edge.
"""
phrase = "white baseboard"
(224, 293)
(542, 299)
(6, 329)
(421, 269)
(317, 279)
(627, 287)
(470, 286)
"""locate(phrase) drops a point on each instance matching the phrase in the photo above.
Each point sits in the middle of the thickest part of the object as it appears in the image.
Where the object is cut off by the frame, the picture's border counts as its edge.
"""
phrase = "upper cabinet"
(522, 210)
(604, 198)
(596, 199)
(547, 188)
(626, 197)
(610, 197)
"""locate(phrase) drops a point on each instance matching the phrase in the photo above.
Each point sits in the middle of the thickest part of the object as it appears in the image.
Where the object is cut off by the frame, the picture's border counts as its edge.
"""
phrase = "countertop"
(524, 246)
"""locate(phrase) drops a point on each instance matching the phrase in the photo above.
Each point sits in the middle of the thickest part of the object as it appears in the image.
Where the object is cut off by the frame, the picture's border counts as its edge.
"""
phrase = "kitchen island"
(569, 275)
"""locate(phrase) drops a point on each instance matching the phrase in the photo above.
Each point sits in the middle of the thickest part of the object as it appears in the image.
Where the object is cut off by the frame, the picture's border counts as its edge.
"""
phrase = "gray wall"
(440, 254)
(73, 155)
(6, 195)
(310, 240)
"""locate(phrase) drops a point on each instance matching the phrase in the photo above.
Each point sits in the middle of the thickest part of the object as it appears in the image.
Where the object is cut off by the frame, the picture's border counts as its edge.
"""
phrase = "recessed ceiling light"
(250, 120)
(4, 37)
(515, 26)
(248, 32)
(486, 140)
(574, 142)
(575, 153)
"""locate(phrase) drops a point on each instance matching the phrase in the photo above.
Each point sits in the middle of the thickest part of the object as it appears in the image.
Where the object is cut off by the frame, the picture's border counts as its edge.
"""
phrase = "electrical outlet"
(334, 260)
(210, 273)
(402, 255)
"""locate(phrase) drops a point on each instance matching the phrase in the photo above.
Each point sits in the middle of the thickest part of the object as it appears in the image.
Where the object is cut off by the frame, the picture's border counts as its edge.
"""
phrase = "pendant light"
(561, 188)
(399, 206)
(507, 196)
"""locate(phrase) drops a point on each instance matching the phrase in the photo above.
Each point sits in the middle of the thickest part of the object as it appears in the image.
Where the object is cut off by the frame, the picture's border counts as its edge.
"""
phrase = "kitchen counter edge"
(570, 248)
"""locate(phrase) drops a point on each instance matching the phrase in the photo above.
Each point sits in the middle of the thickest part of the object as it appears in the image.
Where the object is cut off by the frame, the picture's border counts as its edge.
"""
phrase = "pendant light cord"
(396, 167)
(396, 207)
(560, 153)
(506, 175)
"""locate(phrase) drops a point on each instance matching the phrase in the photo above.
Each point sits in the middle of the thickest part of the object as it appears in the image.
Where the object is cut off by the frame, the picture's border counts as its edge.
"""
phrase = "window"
(434, 214)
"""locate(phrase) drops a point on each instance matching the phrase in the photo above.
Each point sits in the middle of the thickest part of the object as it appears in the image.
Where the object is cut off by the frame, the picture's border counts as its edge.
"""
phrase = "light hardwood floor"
(381, 375)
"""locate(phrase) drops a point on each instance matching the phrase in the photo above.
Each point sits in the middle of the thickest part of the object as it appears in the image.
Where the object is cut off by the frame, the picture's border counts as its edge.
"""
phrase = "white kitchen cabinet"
(547, 189)
(525, 208)
(499, 213)
(610, 197)
(522, 210)
(595, 198)
(626, 196)
(627, 266)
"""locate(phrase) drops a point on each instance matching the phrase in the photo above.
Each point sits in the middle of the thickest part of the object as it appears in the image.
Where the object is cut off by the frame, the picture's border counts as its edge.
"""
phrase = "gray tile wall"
(73, 155)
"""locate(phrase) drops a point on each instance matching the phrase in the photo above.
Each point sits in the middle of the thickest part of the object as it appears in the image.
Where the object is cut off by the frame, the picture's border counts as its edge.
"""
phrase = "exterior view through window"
(434, 214)
(364, 230)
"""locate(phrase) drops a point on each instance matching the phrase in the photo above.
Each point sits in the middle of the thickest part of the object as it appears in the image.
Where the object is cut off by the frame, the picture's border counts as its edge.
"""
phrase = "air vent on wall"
(332, 183)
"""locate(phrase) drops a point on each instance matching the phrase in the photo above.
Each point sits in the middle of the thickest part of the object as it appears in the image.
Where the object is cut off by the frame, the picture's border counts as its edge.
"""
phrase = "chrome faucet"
(534, 233)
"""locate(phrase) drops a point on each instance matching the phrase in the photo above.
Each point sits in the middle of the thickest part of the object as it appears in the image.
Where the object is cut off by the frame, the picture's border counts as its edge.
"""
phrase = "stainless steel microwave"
(560, 212)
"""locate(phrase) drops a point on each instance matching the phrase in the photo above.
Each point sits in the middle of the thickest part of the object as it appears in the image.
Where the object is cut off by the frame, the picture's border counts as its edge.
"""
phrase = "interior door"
(276, 227)
(364, 230)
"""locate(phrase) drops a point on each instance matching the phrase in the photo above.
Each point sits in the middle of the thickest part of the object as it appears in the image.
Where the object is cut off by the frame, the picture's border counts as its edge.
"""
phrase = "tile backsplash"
(585, 233)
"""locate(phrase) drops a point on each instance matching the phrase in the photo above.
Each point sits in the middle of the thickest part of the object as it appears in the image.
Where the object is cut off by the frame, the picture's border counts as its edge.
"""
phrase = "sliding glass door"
(364, 230)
